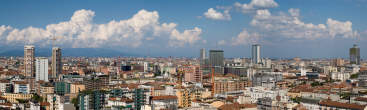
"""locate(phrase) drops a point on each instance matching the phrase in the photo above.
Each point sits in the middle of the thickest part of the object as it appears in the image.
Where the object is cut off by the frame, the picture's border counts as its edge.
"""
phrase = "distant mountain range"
(72, 52)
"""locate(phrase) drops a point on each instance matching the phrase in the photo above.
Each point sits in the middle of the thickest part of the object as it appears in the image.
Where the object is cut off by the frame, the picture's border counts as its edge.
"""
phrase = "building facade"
(56, 64)
(256, 58)
(193, 74)
(354, 54)
(216, 60)
(42, 69)
(29, 67)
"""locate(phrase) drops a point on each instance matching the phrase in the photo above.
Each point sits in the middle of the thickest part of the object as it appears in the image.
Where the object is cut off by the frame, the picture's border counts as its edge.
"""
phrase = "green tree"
(37, 98)
(75, 102)
(354, 76)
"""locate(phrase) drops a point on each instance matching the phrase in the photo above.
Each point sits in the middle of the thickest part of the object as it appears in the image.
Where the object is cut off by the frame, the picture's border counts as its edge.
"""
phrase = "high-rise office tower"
(256, 53)
(204, 61)
(202, 54)
(354, 54)
(56, 62)
(29, 61)
(216, 60)
(42, 69)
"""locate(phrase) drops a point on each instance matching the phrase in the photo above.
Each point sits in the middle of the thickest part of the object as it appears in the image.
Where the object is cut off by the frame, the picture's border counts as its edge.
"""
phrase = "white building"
(115, 102)
(256, 53)
(42, 69)
(145, 66)
(57, 104)
(342, 76)
(21, 87)
(261, 92)
(3, 85)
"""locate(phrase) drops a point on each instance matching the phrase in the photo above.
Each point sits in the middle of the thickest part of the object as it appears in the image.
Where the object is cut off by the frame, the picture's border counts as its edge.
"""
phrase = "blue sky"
(284, 28)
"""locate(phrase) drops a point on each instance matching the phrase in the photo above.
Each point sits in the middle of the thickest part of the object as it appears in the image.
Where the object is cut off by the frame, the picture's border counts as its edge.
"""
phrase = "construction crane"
(54, 38)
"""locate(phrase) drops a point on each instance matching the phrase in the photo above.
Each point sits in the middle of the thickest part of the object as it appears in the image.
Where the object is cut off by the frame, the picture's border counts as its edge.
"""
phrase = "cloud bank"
(81, 32)
(289, 25)
(283, 26)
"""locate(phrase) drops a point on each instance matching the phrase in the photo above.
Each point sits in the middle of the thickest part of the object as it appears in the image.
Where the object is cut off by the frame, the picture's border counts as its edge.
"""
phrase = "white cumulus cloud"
(255, 5)
(80, 31)
(245, 38)
(289, 25)
(216, 15)
(187, 37)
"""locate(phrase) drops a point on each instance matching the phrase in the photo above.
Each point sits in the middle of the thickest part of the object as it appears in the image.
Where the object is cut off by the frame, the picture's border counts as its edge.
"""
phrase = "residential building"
(21, 87)
(29, 67)
(76, 88)
(42, 69)
(93, 100)
(193, 74)
(56, 64)
(184, 97)
(164, 102)
(12, 97)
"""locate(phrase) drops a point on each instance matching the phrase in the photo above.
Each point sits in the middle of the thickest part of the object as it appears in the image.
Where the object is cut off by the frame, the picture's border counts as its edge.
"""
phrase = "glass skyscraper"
(216, 60)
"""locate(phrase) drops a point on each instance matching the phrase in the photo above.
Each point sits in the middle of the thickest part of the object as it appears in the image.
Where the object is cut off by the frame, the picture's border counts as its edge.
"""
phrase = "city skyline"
(171, 30)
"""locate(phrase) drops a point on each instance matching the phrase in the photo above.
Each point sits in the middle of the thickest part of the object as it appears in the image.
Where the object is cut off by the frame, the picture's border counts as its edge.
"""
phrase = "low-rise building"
(12, 98)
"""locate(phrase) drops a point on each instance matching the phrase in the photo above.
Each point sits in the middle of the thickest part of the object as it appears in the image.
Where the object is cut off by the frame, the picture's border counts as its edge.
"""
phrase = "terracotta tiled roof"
(164, 97)
(20, 82)
(341, 105)
(236, 106)
(4, 81)
(364, 99)
(45, 104)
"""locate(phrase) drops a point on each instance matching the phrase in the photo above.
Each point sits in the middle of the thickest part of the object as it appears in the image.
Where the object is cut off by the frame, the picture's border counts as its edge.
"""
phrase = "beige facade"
(12, 98)
(184, 97)
(47, 90)
(227, 86)
(76, 88)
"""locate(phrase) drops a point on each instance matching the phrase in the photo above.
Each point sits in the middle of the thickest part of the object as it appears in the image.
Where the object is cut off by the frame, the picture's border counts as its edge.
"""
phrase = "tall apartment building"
(354, 53)
(29, 67)
(56, 64)
(42, 69)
